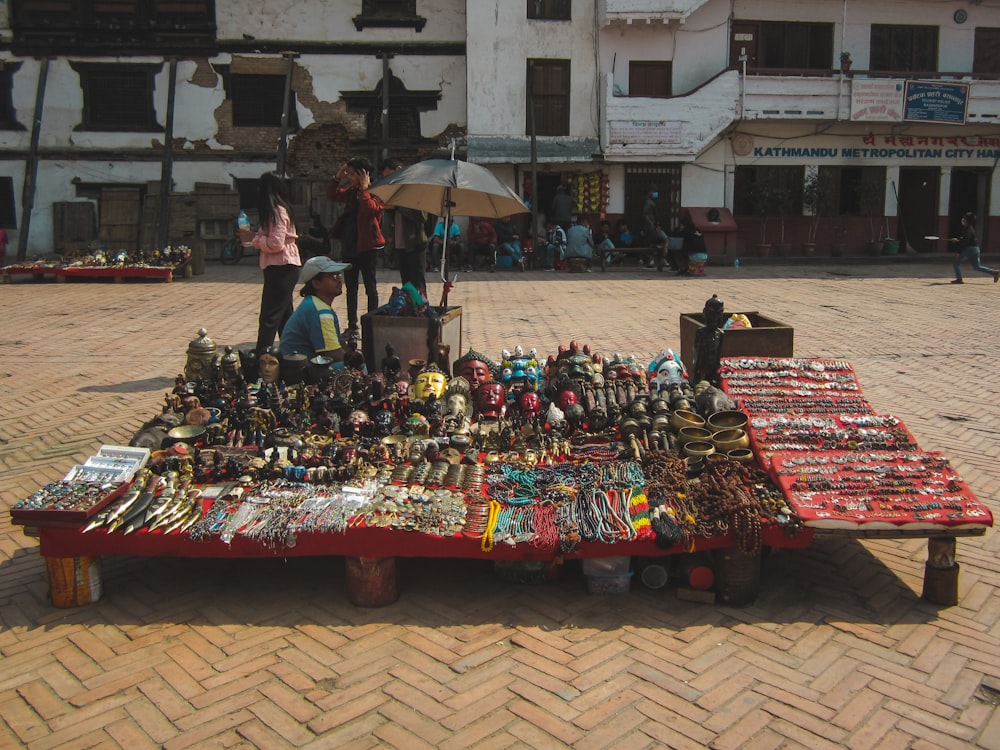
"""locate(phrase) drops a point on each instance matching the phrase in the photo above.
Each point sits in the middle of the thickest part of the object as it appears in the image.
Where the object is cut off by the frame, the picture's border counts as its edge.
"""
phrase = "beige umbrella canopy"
(446, 187)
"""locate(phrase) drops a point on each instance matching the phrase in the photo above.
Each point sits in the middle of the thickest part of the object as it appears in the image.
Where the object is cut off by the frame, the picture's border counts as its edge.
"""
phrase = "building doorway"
(969, 192)
(667, 179)
(917, 209)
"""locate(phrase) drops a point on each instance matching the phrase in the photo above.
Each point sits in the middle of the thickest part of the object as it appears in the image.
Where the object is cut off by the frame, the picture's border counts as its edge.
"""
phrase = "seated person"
(622, 238)
(482, 243)
(602, 238)
(455, 249)
(694, 242)
(314, 328)
(508, 239)
(623, 235)
(555, 245)
(580, 242)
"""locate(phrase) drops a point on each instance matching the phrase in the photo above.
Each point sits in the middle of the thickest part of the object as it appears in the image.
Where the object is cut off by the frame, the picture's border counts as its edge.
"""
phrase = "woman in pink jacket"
(279, 257)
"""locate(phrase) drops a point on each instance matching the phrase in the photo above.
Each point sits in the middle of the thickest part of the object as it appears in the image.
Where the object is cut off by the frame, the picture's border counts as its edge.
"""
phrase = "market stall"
(118, 266)
(522, 459)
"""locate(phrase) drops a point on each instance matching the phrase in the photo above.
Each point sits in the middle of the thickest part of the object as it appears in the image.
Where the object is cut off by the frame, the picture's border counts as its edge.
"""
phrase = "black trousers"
(363, 266)
(411, 267)
(275, 303)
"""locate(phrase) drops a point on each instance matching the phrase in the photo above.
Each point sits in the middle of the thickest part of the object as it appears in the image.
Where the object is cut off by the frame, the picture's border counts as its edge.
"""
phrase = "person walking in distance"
(562, 208)
(968, 249)
(360, 233)
(650, 224)
(279, 256)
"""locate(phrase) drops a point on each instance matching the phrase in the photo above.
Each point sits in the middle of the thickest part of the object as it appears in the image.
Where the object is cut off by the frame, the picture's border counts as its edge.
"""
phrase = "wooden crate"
(408, 336)
(766, 338)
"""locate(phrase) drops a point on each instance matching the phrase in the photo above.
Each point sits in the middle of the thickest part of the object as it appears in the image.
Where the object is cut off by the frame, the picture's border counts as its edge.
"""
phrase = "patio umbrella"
(446, 187)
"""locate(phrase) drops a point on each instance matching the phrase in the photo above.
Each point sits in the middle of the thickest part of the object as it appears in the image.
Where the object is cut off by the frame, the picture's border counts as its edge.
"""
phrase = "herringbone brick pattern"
(838, 651)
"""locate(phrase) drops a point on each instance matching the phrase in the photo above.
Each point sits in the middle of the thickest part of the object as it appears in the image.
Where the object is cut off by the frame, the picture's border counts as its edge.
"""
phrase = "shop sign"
(886, 147)
(876, 99)
(933, 101)
(644, 131)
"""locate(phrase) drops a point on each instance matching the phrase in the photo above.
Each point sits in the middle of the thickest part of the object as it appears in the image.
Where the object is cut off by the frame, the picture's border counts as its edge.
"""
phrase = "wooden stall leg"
(74, 581)
(737, 576)
(372, 581)
(941, 572)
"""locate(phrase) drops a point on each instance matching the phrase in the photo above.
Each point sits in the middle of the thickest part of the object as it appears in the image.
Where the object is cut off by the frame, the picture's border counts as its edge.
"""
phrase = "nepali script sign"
(644, 131)
(877, 99)
(889, 100)
(933, 101)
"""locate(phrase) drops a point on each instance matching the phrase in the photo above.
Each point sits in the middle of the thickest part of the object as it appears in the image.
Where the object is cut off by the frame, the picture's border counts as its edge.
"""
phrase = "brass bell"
(200, 357)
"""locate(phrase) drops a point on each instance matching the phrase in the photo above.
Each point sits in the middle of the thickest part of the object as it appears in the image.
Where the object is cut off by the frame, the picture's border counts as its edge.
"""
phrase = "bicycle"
(234, 249)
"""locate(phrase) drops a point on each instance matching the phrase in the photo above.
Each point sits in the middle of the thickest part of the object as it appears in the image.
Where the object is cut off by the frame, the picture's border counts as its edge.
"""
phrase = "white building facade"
(729, 104)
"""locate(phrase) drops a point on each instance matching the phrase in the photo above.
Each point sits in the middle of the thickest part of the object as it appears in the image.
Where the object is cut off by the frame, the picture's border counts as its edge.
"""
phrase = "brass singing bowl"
(687, 435)
(186, 433)
(698, 449)
(730, 440)
(684, 418)
(741, 455)
(727, 420)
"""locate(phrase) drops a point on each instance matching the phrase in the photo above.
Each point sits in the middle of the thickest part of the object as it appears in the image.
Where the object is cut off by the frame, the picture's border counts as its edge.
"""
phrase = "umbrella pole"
(444, 249)
(447, 231)
(444, 243)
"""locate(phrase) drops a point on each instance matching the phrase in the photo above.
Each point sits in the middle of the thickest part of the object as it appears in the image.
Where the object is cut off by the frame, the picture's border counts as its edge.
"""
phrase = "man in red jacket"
(482, 243)
(360, 230)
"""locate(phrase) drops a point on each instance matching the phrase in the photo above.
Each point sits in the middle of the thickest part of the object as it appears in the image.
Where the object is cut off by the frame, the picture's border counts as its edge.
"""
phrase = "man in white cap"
(314, 327)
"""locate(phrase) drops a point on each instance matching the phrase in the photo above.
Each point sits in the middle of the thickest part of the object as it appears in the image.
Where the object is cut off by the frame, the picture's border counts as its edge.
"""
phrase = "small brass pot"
(730, 440)
(727, 420)
(695, 465)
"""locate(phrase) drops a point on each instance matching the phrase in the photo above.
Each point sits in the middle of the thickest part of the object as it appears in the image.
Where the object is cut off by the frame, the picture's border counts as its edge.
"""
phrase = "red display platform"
(842, 467)
(118, 273)
(364, 542)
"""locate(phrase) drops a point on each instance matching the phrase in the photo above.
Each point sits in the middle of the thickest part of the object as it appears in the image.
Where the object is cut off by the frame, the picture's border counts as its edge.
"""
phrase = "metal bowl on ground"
(741, 455)
(727, 420)
(698, 449)
(730, 440)
(192, 434)
(693, 434)
(685, 418)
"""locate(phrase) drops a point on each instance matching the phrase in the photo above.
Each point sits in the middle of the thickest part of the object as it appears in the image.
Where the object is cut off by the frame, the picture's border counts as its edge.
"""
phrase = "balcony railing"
(681, 127)
(828, 97)
(645, 11)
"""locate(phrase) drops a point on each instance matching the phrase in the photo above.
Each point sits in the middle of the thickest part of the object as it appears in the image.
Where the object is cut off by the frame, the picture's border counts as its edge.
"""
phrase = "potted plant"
(845, 61)
(761, 199)
(817, 199)
(871, 198)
